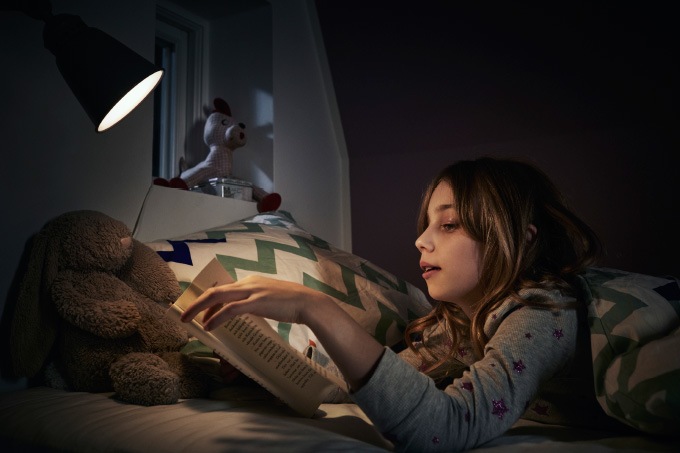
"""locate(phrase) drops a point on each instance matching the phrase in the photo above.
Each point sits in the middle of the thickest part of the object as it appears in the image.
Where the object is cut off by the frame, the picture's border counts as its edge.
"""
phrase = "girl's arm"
(354, 351)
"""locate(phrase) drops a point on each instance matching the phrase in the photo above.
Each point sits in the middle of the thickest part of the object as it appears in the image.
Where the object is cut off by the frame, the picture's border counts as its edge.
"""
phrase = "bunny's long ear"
(34, 323)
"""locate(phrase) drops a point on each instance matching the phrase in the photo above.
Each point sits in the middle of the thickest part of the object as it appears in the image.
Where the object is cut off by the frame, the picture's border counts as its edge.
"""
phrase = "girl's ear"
(531, 232)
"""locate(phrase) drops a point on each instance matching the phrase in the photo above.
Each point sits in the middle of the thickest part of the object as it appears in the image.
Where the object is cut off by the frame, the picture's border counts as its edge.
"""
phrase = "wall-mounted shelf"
(168, 213)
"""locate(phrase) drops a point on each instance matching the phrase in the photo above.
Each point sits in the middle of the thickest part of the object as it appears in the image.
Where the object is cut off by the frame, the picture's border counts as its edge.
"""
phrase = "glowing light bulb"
(130, 100)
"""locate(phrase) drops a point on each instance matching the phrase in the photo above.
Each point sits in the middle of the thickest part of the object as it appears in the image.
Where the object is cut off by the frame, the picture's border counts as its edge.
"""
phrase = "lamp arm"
(37, 9)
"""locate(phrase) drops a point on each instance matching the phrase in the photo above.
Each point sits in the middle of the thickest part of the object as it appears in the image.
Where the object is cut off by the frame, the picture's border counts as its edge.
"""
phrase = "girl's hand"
(353, 350)
(269, 298)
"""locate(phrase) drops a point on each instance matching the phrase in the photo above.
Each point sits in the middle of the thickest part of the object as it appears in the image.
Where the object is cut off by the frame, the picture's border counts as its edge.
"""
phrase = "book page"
(260, 339)
(251, 345)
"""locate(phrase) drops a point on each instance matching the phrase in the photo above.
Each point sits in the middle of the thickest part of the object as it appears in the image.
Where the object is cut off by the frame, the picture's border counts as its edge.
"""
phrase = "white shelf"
(169, 213)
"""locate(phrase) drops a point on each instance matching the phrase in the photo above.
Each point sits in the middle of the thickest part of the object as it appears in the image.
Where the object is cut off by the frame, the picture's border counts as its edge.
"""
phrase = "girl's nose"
(423, 243)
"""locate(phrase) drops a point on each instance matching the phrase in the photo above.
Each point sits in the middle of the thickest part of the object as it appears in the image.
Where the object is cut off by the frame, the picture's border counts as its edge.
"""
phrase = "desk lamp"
(108, 78)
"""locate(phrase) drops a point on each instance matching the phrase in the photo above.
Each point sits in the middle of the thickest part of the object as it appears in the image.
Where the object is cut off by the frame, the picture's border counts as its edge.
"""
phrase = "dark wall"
(585, 90)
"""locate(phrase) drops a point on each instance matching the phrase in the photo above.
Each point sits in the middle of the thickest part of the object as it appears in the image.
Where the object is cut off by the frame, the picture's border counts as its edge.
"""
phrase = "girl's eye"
(449, 226)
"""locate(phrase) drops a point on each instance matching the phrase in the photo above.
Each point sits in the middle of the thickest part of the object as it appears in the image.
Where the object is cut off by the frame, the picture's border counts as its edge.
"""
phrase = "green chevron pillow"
(273, 245)
(635, 338)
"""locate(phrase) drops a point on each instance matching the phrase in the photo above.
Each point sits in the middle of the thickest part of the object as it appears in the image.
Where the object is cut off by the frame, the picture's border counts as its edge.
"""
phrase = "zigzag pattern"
(265, 263)
(626, 305)
(635, 366)
(380, 279)
(180, 252)
(266, 259)
(671, 292)
(249, 228)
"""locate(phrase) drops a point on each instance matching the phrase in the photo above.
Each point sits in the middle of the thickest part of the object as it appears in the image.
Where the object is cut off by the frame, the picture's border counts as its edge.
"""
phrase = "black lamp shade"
(108, 78)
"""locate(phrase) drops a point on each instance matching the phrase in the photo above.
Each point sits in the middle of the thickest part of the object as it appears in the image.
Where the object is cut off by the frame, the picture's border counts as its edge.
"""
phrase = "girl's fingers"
(212, 297)
(256, 295)
(219, 305)
(210, 311)
(219, 315)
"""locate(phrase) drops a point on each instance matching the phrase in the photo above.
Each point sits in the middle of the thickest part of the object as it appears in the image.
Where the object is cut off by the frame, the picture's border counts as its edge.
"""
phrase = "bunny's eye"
(224, 122)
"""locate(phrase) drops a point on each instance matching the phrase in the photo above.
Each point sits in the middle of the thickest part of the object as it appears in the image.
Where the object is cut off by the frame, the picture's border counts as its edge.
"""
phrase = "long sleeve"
(528, 346)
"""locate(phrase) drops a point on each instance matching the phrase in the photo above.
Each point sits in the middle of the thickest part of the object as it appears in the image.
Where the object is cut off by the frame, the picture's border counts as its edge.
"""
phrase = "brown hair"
(496, 201)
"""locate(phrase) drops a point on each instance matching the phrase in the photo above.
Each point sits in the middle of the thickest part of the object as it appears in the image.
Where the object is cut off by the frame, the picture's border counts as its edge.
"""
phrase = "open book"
(251, 345)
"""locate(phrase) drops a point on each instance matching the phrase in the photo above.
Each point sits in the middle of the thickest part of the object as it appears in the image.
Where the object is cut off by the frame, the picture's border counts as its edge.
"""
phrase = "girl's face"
(450, 258)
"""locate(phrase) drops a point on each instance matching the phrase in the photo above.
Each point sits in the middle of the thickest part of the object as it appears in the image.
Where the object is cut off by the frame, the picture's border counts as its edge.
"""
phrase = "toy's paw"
(194, 381)
(178, 183)
(102, 318)
(144, 379)
(270, 202)
(175, 183)
(161, 182)
(110, 319)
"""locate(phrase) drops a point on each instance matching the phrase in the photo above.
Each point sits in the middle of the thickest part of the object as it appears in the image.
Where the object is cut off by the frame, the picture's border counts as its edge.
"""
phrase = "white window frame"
(183, 89)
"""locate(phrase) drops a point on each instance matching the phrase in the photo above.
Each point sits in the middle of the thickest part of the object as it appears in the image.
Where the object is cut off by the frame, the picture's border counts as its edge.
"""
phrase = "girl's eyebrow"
(440, 208)
(443, 207)
(434, 210)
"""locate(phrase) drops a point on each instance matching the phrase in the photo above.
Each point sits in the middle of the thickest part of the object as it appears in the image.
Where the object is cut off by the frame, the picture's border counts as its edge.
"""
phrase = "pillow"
(273, 245)
(635, 338)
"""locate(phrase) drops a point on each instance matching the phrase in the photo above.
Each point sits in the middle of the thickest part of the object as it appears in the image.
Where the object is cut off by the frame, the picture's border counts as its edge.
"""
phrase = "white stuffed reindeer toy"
(223, 135)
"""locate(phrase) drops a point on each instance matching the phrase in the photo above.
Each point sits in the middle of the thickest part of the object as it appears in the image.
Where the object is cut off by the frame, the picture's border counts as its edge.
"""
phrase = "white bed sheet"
(44, 419)
(84, 422)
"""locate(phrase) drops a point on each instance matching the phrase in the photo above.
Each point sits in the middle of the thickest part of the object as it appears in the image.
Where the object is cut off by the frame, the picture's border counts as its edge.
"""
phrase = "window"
(181, 50)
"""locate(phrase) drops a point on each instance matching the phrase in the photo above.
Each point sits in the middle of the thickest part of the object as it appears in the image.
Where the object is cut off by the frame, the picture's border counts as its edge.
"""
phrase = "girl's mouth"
(429, 271)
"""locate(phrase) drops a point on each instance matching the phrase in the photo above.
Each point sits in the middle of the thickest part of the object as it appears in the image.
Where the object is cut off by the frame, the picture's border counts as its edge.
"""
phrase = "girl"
(499, 252)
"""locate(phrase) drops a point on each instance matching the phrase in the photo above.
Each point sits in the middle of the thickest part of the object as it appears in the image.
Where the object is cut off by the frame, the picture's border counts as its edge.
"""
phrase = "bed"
(244, 417)
(44, 419)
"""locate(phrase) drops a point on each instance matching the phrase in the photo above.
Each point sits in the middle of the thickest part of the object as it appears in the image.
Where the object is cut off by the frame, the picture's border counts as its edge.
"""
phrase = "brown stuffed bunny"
(90, 315)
